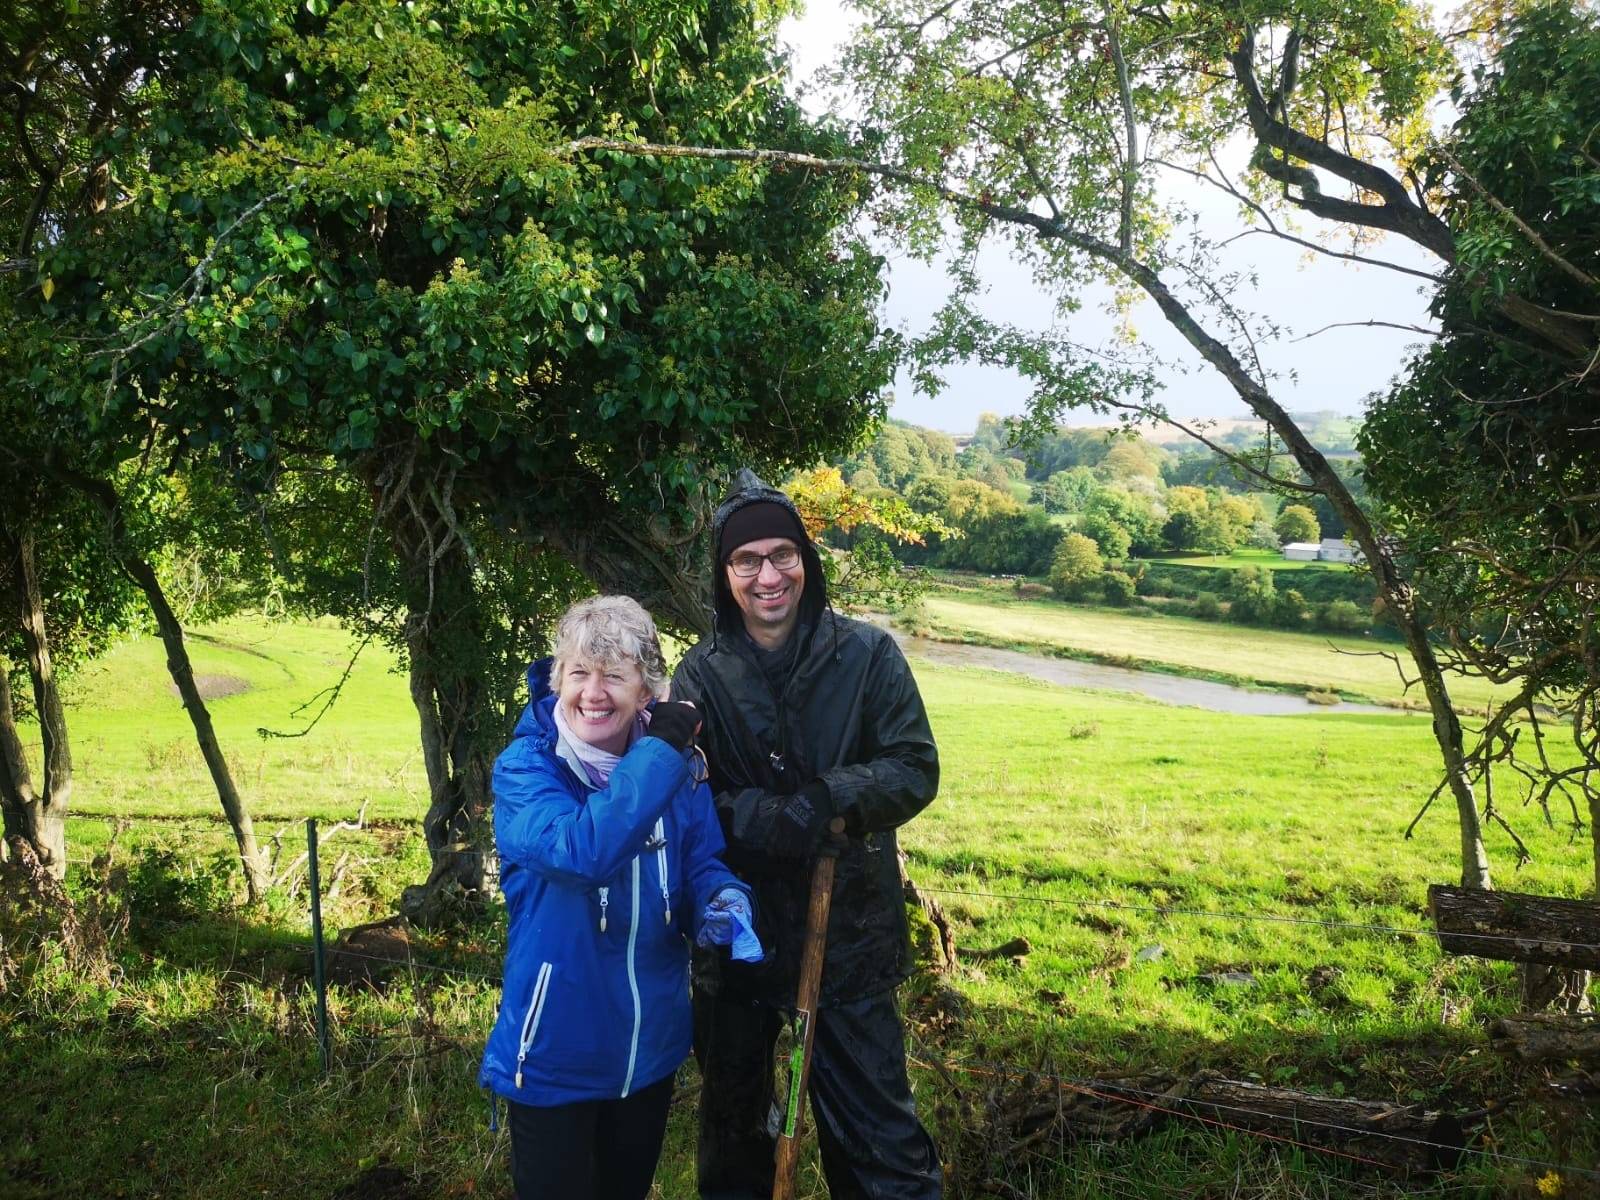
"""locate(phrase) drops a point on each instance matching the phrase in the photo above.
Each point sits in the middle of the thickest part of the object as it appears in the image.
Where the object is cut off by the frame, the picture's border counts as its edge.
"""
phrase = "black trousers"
(593, 1150)
(873, 1146)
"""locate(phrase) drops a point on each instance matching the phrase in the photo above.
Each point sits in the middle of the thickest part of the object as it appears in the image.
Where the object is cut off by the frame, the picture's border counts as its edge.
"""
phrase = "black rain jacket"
(848, 712)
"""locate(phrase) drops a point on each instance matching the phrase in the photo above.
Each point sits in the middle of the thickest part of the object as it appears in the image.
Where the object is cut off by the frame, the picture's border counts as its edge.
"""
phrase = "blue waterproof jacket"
(605, 888)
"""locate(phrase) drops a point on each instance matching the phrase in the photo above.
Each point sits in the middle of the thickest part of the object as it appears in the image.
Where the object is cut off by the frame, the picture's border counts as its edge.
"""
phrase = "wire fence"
(1132, 1096)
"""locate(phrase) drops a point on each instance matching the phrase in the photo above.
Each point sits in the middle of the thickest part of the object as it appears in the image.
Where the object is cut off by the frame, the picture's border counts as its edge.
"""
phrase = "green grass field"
(1245, 557)
(185, 1065)
(1351, 666)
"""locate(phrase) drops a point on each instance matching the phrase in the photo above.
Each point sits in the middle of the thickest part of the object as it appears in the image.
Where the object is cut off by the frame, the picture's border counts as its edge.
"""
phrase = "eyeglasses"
(747, 562)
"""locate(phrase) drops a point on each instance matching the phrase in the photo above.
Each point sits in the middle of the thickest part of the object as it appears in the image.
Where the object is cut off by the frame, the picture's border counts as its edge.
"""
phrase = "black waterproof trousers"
(873, 1146)
(591, 1150)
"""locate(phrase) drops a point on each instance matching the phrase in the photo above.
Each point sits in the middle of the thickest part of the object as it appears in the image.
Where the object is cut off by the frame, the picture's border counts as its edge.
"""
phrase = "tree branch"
(1130, 155)
(1523, 227)
(1399, 213)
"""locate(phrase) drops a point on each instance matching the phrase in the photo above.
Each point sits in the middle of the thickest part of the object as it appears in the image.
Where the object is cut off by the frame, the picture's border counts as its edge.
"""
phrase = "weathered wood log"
(1548, 1037)
(1408, 1139)
(1513, 927)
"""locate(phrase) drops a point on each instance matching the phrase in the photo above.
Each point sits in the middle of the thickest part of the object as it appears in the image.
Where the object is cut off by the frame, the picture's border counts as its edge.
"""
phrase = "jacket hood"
(749, 488)
(538, 716)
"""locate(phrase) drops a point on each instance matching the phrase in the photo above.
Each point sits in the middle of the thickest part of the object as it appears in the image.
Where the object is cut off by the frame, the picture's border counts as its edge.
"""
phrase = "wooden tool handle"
(811, 956)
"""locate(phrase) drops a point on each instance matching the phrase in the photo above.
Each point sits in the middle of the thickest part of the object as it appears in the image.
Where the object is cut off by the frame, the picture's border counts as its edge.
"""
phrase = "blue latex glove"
(728, 921)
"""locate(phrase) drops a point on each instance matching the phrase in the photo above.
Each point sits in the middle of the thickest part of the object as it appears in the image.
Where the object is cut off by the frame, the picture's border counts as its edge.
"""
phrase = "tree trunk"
(257, 877)
(44, 819)
(444, 637)
(1396, 593)
(934, 911)
(1404, 1138)
(16, 781)
(450, 708)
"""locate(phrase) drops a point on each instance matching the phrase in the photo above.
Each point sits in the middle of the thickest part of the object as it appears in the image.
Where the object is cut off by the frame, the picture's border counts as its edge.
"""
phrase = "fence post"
(319, 964)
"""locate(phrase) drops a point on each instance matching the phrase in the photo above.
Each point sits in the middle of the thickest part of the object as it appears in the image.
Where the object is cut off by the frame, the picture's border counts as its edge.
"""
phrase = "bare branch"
(1272, 229)
(1398, 213)
(1370, 325)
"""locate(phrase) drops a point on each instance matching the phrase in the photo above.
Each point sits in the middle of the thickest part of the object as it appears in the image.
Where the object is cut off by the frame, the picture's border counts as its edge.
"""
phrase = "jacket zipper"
(661, 866)
(633, 982)
(605, 900)
(530, 1023)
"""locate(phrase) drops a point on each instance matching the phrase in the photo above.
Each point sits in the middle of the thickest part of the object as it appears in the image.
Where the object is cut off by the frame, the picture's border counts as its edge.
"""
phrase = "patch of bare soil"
(387, 1182)
(216, 687)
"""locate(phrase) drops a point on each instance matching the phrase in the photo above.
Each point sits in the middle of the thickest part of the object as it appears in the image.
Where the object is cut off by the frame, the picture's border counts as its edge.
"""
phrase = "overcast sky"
(1334, 370)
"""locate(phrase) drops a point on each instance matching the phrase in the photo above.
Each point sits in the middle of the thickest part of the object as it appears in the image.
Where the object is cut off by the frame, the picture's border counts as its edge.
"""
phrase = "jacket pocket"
(535, 1013)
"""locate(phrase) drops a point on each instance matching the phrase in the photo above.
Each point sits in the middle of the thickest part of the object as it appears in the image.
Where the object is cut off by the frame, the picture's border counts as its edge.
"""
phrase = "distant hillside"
(1332, 433)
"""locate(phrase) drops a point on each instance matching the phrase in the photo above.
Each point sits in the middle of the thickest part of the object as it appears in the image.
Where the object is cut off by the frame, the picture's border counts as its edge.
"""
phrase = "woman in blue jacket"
(608, 848)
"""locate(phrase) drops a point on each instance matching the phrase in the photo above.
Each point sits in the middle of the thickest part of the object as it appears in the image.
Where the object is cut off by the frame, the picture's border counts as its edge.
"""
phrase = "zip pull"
(661, 864)
(605, 900)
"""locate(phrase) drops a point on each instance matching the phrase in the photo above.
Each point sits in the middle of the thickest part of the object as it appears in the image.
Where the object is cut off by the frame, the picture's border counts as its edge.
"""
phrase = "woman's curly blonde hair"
(610, 629)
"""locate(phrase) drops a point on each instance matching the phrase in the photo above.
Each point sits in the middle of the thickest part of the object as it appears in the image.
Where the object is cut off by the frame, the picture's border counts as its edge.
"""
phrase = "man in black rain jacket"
(809, 715)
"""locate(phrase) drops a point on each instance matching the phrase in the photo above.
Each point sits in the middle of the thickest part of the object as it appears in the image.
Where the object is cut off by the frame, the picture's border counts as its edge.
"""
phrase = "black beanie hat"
(753, 522)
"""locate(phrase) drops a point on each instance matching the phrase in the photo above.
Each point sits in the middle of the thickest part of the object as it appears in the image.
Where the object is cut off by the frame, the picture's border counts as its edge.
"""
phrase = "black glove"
(799, 822)
(675, 723)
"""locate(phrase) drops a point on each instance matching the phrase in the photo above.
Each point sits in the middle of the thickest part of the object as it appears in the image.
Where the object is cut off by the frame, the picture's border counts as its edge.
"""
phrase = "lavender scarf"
(597, 763)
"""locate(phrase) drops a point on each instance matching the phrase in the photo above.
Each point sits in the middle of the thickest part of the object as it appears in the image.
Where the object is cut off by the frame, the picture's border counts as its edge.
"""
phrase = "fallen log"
(1512, 927)
(1548, 1037)
(1407, 1139)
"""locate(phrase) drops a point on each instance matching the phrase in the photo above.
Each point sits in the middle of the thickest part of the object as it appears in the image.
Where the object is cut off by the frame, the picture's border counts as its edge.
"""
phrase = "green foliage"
(1484, 455)
(356, 229)
(1119, 588)
(1252, 596)
(901, 454)
(1289, 610)
(1103, 527)
(1297, 523)
(1075, 566)
(997, 534)
(166, 885)
(1341, 616)
(1068, 491)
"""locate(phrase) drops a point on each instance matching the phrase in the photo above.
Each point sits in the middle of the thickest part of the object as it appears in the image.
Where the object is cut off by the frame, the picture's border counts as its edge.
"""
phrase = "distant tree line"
(1085, 507)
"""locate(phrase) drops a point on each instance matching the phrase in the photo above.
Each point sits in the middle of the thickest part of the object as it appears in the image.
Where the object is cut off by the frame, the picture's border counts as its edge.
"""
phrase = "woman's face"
(600, 700)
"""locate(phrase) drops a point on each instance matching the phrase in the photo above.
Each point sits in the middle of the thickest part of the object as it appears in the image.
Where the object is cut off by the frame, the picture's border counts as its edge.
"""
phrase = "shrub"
(1076, 565)
(1028, 590)
(1208, 606)
(1119, 587)
(1252, 596)
(1341, 616)
(165, 885)
(1289, 610)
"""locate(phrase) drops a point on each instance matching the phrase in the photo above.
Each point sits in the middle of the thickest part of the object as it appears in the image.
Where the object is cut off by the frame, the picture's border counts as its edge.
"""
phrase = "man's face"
(769, 597)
